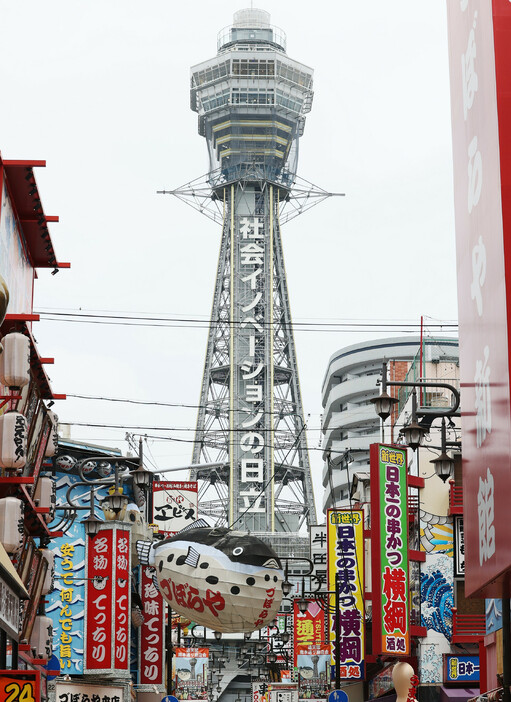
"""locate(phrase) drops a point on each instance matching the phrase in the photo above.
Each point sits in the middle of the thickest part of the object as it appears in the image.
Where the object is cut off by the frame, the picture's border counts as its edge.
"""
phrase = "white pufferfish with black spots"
(225, 580)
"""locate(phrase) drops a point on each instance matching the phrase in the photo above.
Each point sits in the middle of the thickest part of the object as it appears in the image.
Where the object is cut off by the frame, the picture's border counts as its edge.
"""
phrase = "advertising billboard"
(479, 51)
(345, 532)
(389, 549)
(15, 267)
(175, 505)
(190, 671)
(152, 632)
(107, 601)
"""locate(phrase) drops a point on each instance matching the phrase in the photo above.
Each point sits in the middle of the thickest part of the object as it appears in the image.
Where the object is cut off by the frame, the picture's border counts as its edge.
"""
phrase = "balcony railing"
(455, 498)
(467, 628)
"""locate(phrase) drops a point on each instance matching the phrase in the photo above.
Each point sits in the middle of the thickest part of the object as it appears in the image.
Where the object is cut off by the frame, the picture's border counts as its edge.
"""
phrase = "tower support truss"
(250, 415)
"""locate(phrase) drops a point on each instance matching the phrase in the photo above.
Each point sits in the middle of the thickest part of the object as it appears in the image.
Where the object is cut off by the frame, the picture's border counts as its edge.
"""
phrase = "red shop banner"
(152, 639)
(107, 601)
(122, 599)
(480, 54)
(309, 629)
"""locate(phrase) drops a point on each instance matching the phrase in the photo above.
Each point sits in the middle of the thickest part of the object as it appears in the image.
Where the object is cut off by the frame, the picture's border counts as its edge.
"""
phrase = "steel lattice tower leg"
(250, 416)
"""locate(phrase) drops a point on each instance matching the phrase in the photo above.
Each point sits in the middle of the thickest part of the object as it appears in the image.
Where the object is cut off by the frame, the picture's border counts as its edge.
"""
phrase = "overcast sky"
(100, 89)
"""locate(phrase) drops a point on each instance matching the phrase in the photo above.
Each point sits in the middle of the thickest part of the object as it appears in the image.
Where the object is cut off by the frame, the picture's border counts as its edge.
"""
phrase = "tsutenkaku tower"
(251, 101)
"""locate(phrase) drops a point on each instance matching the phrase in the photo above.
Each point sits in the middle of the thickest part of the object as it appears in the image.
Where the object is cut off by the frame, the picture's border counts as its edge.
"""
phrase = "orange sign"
(20, 686)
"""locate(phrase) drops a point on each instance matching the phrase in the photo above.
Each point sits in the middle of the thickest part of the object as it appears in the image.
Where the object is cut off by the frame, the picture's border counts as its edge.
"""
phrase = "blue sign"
(337, 696)
(170, 698)
(462, 669)
(53, 668)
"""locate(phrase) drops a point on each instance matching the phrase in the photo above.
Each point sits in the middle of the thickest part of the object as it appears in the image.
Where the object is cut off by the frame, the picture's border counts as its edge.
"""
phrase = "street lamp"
(444, 464)
(414, 431)
(90, 523)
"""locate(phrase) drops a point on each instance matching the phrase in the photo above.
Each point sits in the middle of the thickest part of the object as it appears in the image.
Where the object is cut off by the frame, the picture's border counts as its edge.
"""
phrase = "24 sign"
(20, 686)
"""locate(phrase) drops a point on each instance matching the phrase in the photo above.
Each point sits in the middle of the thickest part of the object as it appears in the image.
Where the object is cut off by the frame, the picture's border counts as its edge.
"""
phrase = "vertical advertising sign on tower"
(107, 601)
(480, 56)
(389, 549)
(251, 354)
(346, 571)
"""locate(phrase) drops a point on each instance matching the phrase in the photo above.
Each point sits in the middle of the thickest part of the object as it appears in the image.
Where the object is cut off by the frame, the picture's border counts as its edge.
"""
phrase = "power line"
(127, 320)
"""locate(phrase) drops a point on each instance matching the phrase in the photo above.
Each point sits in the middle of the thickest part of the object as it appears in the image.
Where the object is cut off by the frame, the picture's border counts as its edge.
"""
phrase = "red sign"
(151, 641)
(309, 631)
(122, 599)
(480, 56)
(99, 609)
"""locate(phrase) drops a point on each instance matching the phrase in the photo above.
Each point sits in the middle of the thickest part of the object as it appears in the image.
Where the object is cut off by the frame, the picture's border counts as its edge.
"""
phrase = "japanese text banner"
(346, 572)
(389, 522)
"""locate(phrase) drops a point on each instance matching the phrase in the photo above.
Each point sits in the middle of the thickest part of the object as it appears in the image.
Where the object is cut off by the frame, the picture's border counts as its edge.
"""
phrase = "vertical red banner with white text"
(98, 602)
(122, 599)
(151, 641)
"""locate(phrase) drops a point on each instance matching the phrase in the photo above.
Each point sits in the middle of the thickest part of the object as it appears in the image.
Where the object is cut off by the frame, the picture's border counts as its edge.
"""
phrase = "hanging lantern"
(11, 523)
(45, 496)
(15, 361)
(41, 638)
(104, 469)
(53, 440)
(49, 580)
(13, 440)
(237, 578)
(65, 462)
(88, 467)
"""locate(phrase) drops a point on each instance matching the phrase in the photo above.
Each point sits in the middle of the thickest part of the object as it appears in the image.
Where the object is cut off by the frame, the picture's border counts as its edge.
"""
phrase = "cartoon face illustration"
(99, 583)
(226, 580)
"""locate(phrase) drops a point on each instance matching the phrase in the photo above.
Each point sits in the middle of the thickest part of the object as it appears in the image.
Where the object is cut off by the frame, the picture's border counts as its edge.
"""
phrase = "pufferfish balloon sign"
(226, 580)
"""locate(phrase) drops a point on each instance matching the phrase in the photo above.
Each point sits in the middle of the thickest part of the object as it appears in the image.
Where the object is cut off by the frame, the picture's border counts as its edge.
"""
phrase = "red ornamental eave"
(23, 190)
(20, 323)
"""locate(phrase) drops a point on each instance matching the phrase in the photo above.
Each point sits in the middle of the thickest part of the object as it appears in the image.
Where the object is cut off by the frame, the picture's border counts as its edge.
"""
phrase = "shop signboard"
(65, 604)
(461, 669)
(459, 547)
(318, 539)
(9, 610)
(86, 692)
(190, 671)
(381, 683)
(20, 686)
(107, 598)
(308, 629)
(345, 531)
(151, 644)
(480, 53)
(15, 267)
(175, 505)
(389, 549)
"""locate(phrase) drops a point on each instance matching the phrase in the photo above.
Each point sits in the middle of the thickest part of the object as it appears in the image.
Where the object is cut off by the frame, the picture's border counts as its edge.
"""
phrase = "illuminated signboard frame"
(345, 549)
(389, 550)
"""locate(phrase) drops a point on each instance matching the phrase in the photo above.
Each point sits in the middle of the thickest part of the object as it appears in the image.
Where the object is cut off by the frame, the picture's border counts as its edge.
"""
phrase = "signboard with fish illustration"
(226, 580)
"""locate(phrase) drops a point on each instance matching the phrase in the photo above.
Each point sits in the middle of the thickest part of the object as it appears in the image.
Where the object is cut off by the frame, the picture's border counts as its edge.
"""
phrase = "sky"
(100, 90)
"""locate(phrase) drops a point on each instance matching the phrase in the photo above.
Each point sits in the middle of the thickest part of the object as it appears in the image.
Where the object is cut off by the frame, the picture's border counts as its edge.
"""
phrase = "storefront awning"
(458, 694)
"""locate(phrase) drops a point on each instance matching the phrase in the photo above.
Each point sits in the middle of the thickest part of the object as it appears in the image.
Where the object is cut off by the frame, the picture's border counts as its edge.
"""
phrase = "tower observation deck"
(251, 101)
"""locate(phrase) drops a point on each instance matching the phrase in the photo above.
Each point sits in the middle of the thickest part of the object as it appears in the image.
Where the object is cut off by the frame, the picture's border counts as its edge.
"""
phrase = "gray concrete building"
(350, 424)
